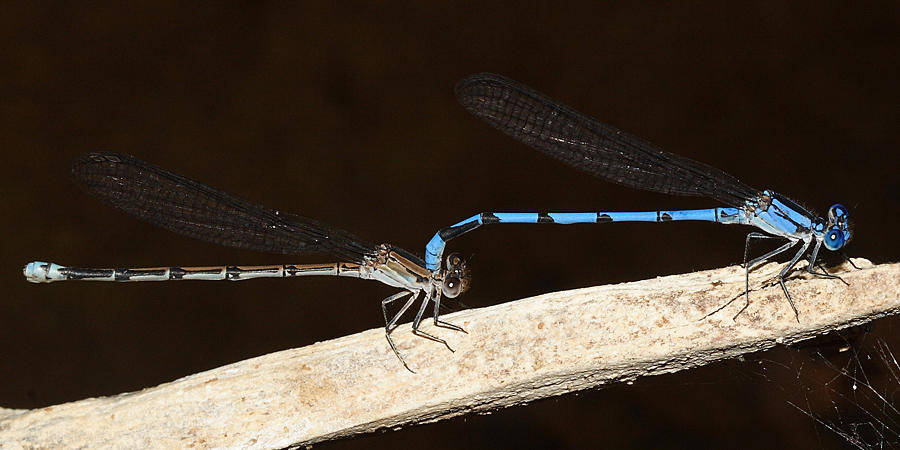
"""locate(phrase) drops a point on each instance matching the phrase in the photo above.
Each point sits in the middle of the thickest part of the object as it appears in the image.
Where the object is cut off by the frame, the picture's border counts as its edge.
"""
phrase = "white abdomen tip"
(41, 272)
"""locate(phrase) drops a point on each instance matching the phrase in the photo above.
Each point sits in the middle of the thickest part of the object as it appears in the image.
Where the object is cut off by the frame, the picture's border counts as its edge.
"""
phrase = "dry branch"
(514, 353)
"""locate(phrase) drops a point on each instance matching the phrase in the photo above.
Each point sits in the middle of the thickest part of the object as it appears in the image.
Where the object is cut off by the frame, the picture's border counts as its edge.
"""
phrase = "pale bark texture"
(513, 353)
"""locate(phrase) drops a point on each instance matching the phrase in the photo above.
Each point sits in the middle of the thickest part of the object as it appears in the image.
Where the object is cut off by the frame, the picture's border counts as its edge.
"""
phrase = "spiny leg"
(755, 261)
(755, 235)
(847, 258)
(752, 235)
(725, 306)
(825, 274)
(418, 320)
(813, 264)
(787, 269)
(441, 323)
(389, 325)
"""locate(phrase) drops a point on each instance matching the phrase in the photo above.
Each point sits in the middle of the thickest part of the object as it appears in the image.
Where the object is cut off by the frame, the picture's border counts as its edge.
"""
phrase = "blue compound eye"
(835, 238)
(837, 213)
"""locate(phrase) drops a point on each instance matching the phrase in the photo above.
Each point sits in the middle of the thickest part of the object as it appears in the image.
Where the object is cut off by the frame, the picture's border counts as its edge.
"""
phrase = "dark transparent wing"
(592, 146)
(193, 209)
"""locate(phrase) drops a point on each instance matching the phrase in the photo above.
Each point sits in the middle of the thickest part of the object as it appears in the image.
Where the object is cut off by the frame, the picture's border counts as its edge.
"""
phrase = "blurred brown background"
(345, 113)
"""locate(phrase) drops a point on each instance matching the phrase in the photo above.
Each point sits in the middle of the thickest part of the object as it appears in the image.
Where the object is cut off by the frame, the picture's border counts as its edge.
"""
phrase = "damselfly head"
(837, 232)
(456, 276)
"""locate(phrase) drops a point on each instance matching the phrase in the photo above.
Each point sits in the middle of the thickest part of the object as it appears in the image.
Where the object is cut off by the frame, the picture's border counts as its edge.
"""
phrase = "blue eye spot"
(835, 239)
(837, 212)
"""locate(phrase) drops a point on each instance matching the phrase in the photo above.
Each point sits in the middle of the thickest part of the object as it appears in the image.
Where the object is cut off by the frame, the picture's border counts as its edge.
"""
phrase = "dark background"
(345, 113)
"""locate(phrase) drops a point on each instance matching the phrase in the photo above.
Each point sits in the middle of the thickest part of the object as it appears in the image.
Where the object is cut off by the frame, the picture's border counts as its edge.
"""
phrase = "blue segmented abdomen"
(435, 247)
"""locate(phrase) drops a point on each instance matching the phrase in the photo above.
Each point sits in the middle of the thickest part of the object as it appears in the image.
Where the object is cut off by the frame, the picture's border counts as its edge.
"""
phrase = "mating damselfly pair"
(185, 206)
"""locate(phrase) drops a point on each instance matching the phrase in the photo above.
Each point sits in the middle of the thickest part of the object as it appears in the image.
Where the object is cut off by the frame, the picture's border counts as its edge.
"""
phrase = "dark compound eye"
(451, 286)
(453, 261)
